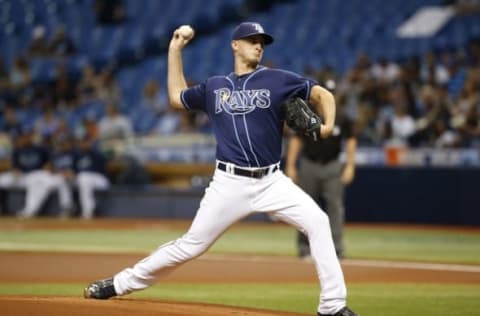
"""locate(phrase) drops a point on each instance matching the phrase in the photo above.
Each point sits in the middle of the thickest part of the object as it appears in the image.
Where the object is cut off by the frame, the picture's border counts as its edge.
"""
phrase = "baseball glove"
(300, 117)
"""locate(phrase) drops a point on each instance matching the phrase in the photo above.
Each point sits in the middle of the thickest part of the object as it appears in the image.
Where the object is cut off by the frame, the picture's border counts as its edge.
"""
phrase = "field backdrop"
(390, 269)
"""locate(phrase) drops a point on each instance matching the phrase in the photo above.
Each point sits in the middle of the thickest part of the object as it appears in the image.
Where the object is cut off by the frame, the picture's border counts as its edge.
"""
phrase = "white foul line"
(8, 246)
(353, 263)
(412, 265)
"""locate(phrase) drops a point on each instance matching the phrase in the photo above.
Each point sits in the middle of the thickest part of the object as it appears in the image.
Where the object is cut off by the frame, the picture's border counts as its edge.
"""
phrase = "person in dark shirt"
(323, 176)
(29, 170)
(91, 175)
(63, 173)
(10, 124)
(61, 44)
(109, 11)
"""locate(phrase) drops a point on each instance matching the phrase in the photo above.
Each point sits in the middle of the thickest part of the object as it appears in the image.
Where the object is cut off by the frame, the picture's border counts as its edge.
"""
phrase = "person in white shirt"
(114, 125)
(385, 71)
(403, 124)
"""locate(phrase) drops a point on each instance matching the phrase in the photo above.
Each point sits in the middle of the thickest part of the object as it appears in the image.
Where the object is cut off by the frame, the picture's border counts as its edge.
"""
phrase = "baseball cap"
(247, 29)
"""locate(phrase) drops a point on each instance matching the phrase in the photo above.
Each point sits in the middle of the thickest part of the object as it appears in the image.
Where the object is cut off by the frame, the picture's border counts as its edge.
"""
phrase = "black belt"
(257, 173)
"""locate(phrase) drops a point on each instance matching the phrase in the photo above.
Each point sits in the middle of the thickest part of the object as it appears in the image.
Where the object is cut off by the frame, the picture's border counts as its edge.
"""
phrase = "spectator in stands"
(402, 123)
(64, 130)
(410, 90)
(108, 90)
(61, 45)
(385, 71)
(38, 96)
(153, 98)
(64, 89)
(430, 108)
(29, 171)
(467, 109)
(187, 122)
(169, 123)
(470, 128)
(369, 130)
(109, 11)
(465, 7)
(445, 137)
(38, 46)
(428, 102)
(4, 78)
(114, 125)
(10, 124)
(352, 88)
(432, 72)
(328, 75)
(48, 124)
(411, 71)
(91, 175)
(464, 109)
(473, 53)
(87, 88)
(363, 63)
(20, 77)
(88, 128)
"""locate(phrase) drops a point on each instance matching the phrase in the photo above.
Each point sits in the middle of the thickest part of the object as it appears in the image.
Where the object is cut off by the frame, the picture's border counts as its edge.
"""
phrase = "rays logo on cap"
(258, 28)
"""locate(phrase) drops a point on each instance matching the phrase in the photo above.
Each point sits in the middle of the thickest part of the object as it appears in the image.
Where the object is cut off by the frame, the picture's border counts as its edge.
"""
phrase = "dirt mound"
(75, 306)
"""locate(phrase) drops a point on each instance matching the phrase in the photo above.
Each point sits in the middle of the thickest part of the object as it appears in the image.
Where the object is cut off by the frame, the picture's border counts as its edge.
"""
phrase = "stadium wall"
(415, 195)
(378, 194)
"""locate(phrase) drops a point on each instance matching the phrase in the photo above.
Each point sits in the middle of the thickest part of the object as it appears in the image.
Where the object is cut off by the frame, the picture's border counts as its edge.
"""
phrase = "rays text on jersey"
(240, 101)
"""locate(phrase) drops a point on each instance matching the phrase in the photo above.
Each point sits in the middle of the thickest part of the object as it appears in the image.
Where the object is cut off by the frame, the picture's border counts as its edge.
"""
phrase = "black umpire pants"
(323, 183)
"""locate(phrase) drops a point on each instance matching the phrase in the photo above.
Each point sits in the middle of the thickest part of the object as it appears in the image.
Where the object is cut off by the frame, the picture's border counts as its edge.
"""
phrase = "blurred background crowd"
(97, 68)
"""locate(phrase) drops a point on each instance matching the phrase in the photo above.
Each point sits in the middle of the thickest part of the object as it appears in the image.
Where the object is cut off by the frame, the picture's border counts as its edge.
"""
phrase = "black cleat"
(343, 312)
(100, 290)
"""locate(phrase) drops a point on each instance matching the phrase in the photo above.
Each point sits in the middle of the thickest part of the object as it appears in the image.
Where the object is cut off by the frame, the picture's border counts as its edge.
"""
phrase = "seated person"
(29, 170)
(91, 175)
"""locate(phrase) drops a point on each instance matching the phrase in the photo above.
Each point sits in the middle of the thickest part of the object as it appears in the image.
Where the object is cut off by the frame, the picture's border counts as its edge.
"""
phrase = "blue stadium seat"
(318, 38)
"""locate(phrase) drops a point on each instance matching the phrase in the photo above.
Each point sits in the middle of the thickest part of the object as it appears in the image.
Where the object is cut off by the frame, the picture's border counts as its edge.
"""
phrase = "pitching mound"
(74, 306)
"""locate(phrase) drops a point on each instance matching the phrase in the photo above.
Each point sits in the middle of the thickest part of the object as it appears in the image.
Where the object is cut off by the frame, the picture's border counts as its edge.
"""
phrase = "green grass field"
(368, 299)
(362, 242)
(240, 239)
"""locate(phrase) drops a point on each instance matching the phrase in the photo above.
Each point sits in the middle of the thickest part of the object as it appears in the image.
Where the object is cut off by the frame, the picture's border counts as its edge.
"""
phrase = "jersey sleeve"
(299, 86)
(194, 98)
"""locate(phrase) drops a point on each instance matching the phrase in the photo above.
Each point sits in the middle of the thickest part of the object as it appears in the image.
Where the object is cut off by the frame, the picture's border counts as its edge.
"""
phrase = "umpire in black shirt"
(317, 169)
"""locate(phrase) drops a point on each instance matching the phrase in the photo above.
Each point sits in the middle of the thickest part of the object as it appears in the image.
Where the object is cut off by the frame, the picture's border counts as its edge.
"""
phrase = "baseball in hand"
(186, 31)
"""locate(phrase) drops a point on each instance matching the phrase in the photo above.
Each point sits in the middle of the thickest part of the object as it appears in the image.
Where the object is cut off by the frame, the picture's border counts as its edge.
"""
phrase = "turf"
(414, 245)
(367, 299)
(361, 242)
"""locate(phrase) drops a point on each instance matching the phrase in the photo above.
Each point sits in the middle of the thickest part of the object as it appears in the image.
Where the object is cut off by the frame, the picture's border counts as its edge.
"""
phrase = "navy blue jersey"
(90, 160)
(245, 112)
(63, 161)
(30, 158)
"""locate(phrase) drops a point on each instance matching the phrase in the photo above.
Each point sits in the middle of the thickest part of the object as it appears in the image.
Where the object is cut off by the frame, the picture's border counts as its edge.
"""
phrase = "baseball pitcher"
(247, 114)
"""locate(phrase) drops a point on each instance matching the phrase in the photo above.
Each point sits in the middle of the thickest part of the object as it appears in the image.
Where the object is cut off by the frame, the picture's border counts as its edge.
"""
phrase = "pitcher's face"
(249, 49)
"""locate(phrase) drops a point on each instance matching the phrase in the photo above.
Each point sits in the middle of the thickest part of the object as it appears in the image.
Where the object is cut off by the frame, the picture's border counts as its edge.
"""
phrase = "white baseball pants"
(37, 184)
(230, 198)
(87, 183)
(64, 191)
